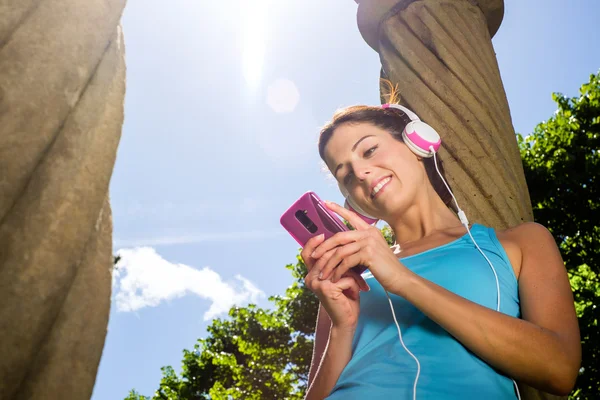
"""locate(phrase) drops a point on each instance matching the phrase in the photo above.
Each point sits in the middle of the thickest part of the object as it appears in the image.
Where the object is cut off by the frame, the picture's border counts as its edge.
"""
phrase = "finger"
(309, 280)
(350, 216)
(349, 287)
(362, 284)
(349, 262)
(313, 242)
(321, 262)
(353, 293)
(313, 283)
(309, 248)
(346, 283)
(337, 256)
(339, 239)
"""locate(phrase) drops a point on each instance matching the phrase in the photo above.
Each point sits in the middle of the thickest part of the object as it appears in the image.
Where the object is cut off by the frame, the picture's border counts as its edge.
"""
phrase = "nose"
(361, 172)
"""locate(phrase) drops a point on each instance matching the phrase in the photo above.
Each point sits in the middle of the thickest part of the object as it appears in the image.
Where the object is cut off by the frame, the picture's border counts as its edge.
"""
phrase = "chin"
(396, 204)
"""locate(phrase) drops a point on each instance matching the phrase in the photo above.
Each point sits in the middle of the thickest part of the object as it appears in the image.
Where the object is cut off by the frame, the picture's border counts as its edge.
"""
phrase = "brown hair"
(392, 120)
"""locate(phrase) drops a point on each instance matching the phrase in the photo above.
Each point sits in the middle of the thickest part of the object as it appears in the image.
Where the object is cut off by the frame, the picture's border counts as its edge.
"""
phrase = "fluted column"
(62, 86)
(440, 54)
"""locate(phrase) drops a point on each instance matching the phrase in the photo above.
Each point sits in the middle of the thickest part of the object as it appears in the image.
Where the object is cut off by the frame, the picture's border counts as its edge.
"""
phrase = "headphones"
(420, 138)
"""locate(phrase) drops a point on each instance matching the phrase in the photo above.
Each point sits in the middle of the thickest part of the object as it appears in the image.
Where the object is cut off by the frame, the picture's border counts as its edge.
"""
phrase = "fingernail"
(313, 254)
(321, 275)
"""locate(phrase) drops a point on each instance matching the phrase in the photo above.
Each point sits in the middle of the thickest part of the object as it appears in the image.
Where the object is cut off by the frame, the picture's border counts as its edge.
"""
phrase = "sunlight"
(255, 34)
(282, 96)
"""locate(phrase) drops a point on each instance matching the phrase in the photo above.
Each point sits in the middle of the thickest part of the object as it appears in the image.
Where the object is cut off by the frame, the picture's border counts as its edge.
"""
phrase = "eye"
(370, 152)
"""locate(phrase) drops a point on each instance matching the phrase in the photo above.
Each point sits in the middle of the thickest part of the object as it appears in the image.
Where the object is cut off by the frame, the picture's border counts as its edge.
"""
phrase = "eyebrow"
(353, 149)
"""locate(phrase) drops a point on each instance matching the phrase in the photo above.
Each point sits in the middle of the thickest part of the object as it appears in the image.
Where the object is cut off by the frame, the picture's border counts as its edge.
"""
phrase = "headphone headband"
(411, 115)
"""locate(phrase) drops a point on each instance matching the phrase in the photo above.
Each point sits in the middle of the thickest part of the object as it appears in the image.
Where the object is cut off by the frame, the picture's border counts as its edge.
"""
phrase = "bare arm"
(339, 309)
(321, 337)
(336, 356)
(543, 349)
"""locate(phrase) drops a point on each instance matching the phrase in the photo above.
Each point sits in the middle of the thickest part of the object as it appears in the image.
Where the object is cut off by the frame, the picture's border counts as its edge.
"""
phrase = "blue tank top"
(380, 368)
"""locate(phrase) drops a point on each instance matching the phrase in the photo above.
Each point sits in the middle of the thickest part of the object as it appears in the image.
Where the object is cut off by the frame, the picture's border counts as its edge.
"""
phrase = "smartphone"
(309, 217)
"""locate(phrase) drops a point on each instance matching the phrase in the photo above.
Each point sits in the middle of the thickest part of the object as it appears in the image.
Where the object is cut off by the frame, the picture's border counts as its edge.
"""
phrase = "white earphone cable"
(463, 219)
(461, 214)
(465, 222)
(405, 348)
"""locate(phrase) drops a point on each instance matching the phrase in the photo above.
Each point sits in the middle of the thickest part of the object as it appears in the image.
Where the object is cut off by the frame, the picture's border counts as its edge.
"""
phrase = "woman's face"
(381, 174)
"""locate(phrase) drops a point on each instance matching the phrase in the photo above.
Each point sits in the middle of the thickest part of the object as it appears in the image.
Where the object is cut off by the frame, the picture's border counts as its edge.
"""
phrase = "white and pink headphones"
(420, 138)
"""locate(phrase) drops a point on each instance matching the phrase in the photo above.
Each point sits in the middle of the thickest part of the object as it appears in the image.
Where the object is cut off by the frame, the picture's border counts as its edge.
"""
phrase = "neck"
(428, 215)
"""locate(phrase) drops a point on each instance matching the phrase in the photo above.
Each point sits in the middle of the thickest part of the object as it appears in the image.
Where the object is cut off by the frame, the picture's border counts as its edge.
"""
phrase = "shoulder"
(527, 234)
(523, 241)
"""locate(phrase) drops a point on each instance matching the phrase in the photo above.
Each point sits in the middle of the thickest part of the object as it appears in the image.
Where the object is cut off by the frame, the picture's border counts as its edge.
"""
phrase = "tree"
(562, 162)
(134, 395)
(254, 354)
(265, 354)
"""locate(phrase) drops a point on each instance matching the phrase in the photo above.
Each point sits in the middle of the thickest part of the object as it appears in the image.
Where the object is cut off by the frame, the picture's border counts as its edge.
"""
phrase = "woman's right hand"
(341, 299)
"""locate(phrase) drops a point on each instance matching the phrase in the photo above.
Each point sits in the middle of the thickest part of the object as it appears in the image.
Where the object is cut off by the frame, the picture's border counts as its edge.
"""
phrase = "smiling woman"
(254, 34)
(443, 289)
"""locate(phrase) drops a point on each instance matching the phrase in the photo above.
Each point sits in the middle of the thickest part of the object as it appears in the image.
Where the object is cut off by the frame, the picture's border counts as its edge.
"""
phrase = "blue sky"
(222, 111)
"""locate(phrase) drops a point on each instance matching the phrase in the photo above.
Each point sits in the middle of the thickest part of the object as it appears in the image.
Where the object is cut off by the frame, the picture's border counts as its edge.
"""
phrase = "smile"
(380, 186)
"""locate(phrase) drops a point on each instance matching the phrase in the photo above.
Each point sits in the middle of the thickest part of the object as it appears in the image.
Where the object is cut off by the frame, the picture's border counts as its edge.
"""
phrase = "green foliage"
(561, 160)
(388, 234)
(133, 395)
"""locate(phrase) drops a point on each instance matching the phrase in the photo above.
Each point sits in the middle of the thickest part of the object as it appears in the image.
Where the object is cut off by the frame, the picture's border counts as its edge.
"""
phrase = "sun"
(254, 38)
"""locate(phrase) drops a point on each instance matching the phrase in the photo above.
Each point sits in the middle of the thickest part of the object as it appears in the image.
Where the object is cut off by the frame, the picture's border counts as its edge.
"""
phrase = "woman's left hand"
(363, 246)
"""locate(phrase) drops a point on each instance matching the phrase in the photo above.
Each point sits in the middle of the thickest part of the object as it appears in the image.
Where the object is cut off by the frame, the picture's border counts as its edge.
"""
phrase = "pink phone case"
(322, 220)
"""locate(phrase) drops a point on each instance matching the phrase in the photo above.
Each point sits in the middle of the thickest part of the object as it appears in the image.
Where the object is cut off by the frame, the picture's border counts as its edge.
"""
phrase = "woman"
(442, 290)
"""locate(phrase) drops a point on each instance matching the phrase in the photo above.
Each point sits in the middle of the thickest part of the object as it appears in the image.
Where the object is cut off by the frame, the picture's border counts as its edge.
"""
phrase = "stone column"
(62, 86)
(440, 54)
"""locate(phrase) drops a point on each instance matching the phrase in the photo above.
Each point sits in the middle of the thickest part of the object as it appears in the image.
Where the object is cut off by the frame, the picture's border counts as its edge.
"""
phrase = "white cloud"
(283, 96)
(144, 279)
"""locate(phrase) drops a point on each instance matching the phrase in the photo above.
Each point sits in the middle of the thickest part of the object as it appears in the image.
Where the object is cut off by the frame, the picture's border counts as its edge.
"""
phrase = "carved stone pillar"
(440, 54)
(62, 86)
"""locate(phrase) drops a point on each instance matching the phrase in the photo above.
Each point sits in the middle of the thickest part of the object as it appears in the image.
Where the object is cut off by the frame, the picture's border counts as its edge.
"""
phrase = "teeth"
(381, 184)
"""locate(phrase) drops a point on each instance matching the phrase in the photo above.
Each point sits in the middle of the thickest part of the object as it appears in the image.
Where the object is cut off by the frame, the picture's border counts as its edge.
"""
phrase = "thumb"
(349, 287)
(362, 284)
(345, 282)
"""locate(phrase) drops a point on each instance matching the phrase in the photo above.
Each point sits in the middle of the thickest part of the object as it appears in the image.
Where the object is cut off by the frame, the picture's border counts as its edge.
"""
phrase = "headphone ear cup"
(419, 137)
(352, 206)
(343, 190)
